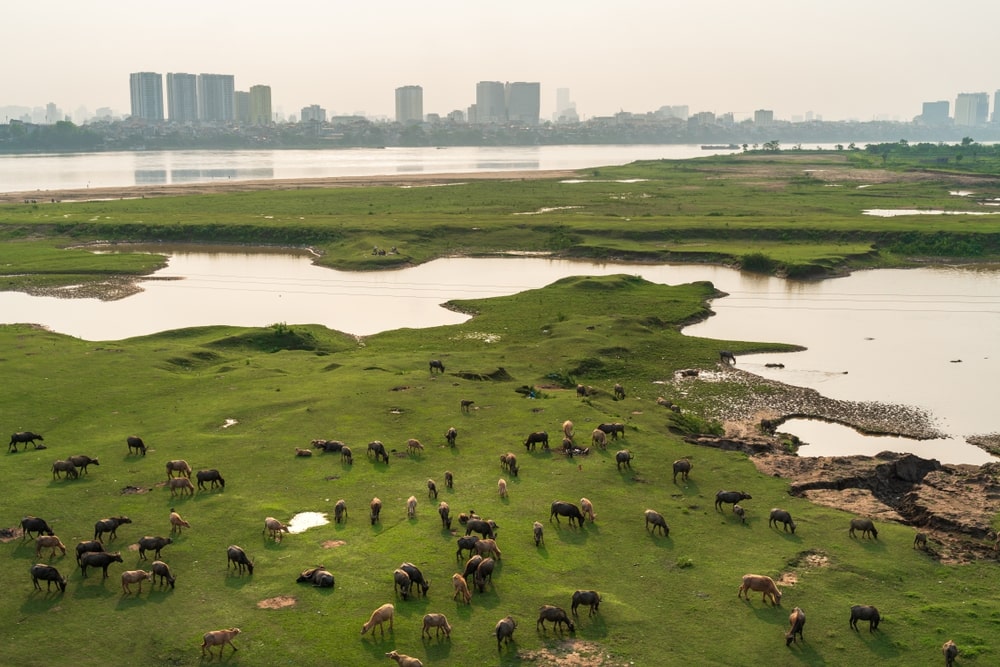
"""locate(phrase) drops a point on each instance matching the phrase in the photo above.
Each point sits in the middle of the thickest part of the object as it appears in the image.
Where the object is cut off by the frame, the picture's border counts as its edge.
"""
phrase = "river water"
(41, 172)
(921, 337)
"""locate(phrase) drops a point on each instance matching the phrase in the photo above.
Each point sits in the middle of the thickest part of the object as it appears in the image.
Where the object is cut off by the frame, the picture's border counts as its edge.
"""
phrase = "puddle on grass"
(303, 521)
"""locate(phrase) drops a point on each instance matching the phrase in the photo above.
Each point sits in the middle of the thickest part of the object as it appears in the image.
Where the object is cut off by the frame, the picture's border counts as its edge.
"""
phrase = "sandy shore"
(181, 189)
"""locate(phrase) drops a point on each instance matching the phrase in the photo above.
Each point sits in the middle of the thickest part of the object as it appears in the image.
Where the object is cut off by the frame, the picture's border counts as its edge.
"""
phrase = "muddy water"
(922, 337)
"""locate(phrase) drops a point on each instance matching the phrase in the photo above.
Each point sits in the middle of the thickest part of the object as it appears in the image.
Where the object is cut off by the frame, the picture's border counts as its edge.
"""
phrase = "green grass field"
(241, 400)
(666, 600)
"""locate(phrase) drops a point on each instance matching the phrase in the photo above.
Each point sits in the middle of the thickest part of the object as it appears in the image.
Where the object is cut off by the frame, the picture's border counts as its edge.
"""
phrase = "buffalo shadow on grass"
(438, 649)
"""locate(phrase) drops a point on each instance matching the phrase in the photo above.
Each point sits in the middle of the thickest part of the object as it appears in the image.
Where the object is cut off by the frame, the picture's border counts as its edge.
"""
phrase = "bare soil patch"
(279, 602)
(572, 653)
(8, 534)
(333, 544)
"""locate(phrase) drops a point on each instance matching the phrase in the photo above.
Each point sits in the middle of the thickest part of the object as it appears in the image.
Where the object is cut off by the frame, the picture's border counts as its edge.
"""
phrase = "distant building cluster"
(971, 110)
(192, 98)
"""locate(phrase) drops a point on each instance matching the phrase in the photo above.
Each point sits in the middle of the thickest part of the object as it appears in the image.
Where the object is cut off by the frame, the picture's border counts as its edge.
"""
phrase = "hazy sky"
(840, 59)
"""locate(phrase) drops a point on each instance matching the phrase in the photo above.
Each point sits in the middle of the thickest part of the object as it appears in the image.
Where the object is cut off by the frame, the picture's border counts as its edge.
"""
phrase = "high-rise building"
(241, 106)
(182, 97)
(260, 105)
(313, 113)
(523, 102)
(936, 113)
(409, 104)
(146, 90)
(215, 97)
(763, 117)
(491, 103)
(971, 109)
(996, 107)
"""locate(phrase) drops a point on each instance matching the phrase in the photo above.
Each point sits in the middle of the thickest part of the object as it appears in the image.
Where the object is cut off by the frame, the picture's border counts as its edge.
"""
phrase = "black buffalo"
(536, 438)
(109, 525)
(212, 476)
(238, 558)
(48, 574)
(319, 577)
(562, 508)
(731, 497)
(32, 524)
(863, 612)
(23, 437)
(416, 577)
(136, 443)
(376, 447)
(99, 559)
(89, 546)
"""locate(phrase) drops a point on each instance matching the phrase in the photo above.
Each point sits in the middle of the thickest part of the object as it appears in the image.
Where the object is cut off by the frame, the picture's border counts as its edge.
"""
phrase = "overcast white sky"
(840, 59)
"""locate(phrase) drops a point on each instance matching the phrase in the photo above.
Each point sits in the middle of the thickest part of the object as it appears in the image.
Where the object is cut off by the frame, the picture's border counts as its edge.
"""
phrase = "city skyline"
(842, 61)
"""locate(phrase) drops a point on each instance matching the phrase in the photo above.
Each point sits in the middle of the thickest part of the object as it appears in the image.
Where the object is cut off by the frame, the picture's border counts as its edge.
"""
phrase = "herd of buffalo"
(483, 551)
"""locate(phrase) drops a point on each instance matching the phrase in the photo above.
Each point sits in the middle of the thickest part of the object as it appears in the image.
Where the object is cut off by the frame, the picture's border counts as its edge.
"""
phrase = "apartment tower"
(146, 90)
(182, 97)
(409, 104)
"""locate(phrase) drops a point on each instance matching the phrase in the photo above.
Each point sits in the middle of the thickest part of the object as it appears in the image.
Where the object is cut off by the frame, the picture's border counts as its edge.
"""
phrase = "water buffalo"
(212, 476)
(376, 509)
(416, 577)
(655, 518)
(783, 517)
(340, 511)
(378, 449)
(865, 526)
(504, 630)
(401, 583)
(48, 574)
(23, 437)
(863, 612)
(484, 573)
(32, 524)
(563, 508)
(136, 443)
(556, 616)
(238, 558)
(59, 467)
(623, 457)
(153, 544)
(109, 525)
(619, 391)
(762, 584)
(436, 365)
(471, 566)
(319, 577)
(329, 446)
(444, 511)
(90, 546)
(731, 497)
(682, 466)
(99, 559)
(950, 651)
(450, 435)
(484, 528)
(727, 357)
(81, 461)
(590, 598)
(796, 621)
(613, 429)
(162, 570)
(467, 543)
(536, 438)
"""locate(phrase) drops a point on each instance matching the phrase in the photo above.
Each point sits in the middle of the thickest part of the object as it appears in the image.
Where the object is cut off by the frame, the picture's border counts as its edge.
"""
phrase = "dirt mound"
(279, 602)
(333, 544)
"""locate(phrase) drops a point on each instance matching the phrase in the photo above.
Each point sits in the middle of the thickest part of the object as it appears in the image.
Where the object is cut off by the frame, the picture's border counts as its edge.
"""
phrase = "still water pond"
(921, 337)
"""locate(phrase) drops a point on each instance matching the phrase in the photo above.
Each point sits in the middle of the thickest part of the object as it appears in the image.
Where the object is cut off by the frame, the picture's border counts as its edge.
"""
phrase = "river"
(920, 337)
(41, 172)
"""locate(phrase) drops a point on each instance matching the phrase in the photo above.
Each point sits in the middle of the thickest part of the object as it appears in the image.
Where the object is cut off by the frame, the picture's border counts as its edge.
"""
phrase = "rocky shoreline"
(953, 505)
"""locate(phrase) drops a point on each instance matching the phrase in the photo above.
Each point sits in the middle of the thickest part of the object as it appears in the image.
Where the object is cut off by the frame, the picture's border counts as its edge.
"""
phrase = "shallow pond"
(303, 521)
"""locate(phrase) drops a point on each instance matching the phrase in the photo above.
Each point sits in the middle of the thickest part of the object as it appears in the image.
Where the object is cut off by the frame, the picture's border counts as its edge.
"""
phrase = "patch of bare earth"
(953, 505)
(571, 653)
(279, 602)
(333, 544)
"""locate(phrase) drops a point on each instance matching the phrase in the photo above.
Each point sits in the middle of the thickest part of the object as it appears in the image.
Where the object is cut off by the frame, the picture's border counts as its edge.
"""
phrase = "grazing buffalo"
(401, 583)
(623, 457)
(762, 584)
(109, 525)
(863, 612)
(619, 391)
(23, 437)
(59, 467)
(485, 528)
(436, 365)
(865, 526)
(682, 466)
(416, 577)
(655, 518)
(563, 508)
(99, 559)
(471, 566)
(467, 543)
(48, 574)
(444, 511)
(536, 438)
(329, 446)
(731, 497)
(538, 531)
(212, 476)
(378, 449)
(238, 558)
(796, 621)
(179, 466)
(950, 651)
(783, 517)
(340, 511)
(920, 540)
(136, 443)
(484, 573)
(376, 509)
(556, 616)
(162, 570)
(450, 435)
(727, 357)
(32, 524)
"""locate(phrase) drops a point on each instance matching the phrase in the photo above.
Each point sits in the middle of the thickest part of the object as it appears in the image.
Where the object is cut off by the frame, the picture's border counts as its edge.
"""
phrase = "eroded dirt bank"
(954, 505)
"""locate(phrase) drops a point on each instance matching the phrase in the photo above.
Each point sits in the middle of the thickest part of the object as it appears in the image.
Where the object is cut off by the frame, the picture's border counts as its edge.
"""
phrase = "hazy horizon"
(849, 59)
